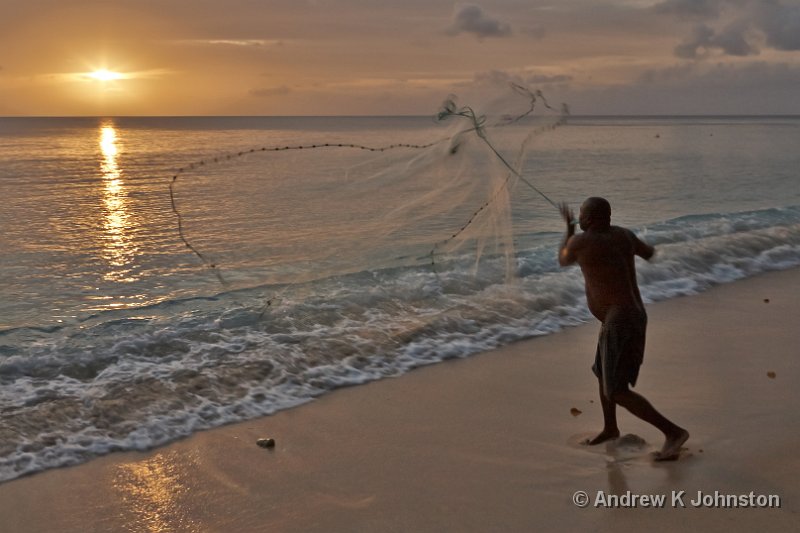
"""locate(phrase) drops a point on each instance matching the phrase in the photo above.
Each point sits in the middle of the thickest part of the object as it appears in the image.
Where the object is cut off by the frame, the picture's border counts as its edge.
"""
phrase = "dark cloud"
(270, 91)
(731, 40)
(470, 18)
(748, 22)
(780, 24)
(700, 37)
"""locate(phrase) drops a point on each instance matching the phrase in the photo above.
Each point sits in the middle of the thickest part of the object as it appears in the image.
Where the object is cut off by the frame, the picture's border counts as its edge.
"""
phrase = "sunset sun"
(105, 75)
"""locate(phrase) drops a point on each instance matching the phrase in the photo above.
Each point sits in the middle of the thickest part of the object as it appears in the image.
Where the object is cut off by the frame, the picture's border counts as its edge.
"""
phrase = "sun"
(105, 75)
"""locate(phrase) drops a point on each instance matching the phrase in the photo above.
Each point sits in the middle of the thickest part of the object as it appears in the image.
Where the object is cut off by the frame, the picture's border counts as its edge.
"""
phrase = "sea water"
(115, 336)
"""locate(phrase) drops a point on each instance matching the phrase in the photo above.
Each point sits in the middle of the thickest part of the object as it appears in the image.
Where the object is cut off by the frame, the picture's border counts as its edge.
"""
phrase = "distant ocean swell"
(134, 379)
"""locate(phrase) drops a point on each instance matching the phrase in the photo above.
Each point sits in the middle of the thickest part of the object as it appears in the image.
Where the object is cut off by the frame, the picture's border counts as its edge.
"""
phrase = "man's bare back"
(606, 258)
(606, 255)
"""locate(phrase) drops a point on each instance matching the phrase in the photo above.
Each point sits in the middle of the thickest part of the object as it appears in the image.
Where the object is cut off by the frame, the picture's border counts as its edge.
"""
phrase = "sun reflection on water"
(118, 246)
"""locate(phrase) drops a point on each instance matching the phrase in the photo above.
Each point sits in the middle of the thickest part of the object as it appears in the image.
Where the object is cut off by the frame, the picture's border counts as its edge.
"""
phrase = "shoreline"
(482, 443)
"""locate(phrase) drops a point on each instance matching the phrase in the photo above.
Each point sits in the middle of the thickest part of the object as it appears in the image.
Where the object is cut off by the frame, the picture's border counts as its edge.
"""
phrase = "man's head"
(595, 213)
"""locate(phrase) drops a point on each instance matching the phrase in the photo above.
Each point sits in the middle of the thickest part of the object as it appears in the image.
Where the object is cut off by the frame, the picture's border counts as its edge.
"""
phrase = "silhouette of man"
(605, 254)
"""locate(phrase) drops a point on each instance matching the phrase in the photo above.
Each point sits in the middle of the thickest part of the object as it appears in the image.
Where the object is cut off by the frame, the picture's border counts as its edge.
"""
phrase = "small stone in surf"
(575, 412)
(266, 443)
(766, 300)
(771, 374)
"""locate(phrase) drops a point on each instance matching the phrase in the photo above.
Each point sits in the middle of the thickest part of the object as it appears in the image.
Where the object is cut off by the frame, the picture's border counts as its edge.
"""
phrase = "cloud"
(731, 40)
(700, 37)
(253, 43)
(780, 24)
(470, 18)
(747, 23)
(245, 42)
(542, 79)
(269, 91)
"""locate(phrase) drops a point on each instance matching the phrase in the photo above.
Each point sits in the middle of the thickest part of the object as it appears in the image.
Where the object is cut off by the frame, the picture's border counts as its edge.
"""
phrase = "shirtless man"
(605, 254)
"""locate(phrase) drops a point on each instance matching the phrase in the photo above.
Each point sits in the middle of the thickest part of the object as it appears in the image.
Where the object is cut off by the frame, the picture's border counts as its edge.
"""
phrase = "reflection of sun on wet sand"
(482, 444)
(152, 490)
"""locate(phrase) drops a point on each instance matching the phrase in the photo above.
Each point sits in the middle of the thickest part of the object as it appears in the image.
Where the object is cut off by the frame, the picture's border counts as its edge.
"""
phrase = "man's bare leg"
(610, 429)
(640, 407)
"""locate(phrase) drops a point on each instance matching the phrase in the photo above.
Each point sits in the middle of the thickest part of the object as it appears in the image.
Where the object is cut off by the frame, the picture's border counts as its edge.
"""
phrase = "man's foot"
(672, 446)
(602, 437)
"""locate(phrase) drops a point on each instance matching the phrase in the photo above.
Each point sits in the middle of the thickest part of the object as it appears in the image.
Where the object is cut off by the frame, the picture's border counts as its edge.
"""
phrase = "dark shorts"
(620, 349)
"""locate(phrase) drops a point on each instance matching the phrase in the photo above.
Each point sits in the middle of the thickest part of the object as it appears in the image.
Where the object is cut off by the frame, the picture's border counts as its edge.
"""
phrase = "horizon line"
(582, 115)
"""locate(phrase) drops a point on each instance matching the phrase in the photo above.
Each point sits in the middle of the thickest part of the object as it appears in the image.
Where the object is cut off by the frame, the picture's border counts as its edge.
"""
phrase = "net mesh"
(290, 213)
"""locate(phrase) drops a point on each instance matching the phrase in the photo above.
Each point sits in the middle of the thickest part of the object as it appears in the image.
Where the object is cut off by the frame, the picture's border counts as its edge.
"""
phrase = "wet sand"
(489, 443)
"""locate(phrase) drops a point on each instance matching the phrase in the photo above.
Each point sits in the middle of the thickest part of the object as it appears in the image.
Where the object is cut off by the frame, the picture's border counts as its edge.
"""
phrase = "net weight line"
(228, 157)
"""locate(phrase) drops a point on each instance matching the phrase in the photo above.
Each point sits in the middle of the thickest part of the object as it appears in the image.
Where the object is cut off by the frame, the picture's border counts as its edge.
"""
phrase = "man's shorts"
(620, 348)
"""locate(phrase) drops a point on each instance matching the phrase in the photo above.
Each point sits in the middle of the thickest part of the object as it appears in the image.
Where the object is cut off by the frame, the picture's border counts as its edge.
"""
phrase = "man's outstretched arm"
(566, 253)
(642, 249)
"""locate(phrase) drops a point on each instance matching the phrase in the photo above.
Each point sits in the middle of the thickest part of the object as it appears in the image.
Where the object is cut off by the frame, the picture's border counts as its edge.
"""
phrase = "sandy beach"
(487, 443)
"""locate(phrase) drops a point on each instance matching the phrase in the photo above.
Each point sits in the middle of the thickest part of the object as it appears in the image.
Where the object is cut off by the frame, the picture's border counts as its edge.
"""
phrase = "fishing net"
(290, 213)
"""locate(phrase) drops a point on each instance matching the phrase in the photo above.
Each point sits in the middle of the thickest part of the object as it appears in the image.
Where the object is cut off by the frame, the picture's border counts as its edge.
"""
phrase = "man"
(605, 254)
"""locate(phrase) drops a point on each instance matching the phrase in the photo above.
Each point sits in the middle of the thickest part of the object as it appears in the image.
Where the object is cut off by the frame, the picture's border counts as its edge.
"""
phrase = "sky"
(395, 57)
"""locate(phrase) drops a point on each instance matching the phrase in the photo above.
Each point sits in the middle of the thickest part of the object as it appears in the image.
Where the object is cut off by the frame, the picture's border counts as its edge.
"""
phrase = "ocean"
(332, 266)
